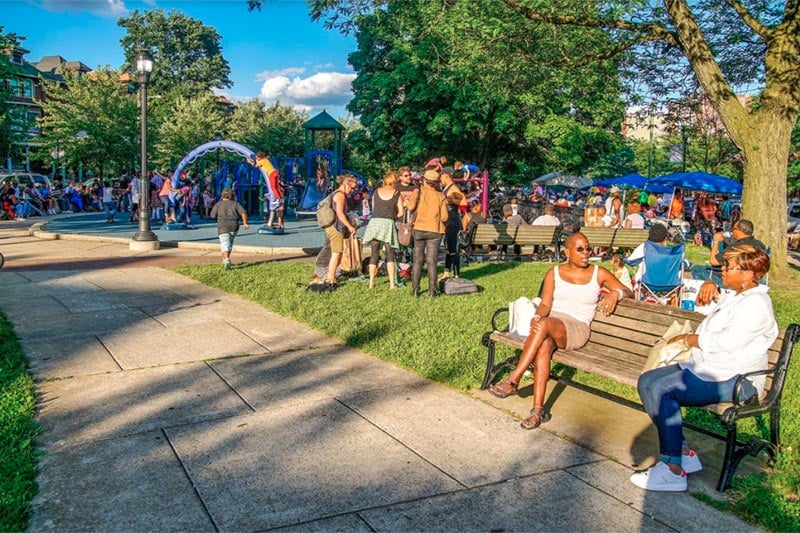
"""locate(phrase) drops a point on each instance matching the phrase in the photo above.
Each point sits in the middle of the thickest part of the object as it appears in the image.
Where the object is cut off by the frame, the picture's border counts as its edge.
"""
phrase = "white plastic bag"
(520, 314)
(665, 353)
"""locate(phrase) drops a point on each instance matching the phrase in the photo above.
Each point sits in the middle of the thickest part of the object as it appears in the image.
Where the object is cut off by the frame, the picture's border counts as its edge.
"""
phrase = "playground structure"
(322, 165)
(251, 180)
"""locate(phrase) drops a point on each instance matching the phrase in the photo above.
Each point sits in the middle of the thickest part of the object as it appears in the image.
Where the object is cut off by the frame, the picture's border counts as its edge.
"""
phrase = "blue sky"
(274, 54)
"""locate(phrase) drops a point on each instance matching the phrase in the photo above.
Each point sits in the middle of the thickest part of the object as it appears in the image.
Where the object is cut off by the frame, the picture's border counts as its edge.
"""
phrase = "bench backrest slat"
(500, 234)
(629, 238)
(536, 235)
(599, 236)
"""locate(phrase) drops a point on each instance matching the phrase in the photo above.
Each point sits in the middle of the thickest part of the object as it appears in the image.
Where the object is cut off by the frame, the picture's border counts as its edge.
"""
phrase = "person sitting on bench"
(570, 294)
(731, 341)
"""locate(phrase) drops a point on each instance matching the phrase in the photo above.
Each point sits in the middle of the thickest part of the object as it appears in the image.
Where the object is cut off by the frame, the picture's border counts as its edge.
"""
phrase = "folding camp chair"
(662, 280)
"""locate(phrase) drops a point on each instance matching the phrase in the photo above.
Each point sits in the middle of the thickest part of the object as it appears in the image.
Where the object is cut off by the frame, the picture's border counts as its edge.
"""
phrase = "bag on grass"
(457, 286)
(672, 353)
(326, 216)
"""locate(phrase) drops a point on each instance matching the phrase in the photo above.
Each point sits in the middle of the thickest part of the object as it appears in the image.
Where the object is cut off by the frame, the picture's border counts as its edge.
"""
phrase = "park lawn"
(17, 433)
(440, 340)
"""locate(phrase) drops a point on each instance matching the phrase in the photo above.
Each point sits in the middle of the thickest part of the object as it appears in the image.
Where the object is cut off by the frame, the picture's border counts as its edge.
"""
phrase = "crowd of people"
(110, 195)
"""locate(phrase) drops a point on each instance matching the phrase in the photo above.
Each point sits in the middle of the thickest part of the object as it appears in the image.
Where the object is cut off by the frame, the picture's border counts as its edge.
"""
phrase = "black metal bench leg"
(489, 375)
(729, 462)
(775, 424)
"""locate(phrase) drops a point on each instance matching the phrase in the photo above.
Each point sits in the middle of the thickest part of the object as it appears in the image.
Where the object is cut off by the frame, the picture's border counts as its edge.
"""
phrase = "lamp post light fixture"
(144, 239)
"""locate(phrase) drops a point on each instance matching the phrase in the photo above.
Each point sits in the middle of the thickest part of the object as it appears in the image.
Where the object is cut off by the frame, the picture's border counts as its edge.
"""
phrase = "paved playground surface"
(170, 405)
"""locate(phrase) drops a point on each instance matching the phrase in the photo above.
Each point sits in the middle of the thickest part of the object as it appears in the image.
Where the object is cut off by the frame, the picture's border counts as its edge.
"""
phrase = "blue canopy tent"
(699, 181)
(634, 181)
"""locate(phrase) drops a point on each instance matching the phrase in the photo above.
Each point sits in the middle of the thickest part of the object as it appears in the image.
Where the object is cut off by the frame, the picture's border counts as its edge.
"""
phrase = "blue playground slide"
(311, 197)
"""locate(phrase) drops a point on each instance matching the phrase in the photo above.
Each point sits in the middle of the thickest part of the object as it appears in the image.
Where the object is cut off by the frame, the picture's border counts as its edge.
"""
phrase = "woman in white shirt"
(634, 220)
(732, 340)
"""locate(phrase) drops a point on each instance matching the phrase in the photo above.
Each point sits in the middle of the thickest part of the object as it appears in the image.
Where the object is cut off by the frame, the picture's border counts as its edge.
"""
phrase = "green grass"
(440, 340)
(17, 433)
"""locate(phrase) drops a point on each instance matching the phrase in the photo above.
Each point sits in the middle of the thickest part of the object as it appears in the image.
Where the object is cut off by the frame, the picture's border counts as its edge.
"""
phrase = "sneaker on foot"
(691, 463)
(660, 478)
(226, 265)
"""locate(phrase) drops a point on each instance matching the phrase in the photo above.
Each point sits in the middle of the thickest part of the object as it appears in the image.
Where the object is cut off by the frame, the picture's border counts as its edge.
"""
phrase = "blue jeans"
(109, 208)
(707, 272)
(664, 390)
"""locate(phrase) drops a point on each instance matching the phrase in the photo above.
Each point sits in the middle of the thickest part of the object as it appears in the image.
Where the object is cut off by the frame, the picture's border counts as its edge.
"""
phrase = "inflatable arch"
(213, 146)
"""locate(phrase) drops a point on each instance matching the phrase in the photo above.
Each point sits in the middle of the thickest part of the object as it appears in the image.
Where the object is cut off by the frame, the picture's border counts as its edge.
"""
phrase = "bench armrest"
(737, 387)
(494, 319)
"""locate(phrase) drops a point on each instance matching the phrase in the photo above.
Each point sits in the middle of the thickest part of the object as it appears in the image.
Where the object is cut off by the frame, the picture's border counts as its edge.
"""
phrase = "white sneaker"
(691, 463)
(660, 478)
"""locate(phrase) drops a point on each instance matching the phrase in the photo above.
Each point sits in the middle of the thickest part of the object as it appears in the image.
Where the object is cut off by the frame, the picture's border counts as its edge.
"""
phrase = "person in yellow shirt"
(276, 203)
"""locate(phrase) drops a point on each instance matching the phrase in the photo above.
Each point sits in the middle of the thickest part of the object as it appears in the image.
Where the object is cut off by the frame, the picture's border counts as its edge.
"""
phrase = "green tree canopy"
(93, 119)
(192, 122)
(277, 130)
(468, 80)
(187, 55)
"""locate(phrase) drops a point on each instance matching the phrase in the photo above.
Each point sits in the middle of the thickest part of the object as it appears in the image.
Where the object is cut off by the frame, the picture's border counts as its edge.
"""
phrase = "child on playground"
(227, 212)
(276, 205)
(208, 200)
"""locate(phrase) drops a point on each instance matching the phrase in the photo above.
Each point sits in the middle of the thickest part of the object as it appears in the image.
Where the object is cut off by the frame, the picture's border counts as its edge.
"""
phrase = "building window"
(21, 88)
(26, 89)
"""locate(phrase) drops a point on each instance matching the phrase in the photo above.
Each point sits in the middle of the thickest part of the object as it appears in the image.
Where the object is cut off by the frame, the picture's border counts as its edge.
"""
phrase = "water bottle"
(687, 305)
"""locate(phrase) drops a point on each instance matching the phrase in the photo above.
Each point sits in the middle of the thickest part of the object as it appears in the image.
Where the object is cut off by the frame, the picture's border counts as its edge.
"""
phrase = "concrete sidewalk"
(169, 405)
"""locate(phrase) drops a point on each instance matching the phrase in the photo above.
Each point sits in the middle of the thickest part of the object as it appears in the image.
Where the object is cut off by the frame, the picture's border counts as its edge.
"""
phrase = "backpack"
(326, 216)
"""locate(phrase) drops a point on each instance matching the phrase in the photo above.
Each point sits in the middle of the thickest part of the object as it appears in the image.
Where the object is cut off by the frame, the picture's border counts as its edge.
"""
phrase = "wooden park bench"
(628, 239)
(514, 235)
(611, 238)
(618, 348)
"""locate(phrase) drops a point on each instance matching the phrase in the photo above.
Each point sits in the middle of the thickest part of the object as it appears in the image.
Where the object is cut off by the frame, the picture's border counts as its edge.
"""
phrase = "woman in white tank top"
(570, 294)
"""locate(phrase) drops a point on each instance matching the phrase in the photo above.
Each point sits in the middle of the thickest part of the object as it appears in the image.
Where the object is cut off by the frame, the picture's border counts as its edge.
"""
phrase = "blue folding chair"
(662, 281)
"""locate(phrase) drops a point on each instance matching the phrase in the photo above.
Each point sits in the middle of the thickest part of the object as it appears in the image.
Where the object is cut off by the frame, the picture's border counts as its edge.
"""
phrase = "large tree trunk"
(765, 147)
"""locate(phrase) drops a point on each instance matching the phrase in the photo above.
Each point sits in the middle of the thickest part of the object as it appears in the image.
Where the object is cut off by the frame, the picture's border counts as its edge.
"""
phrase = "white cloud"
(319, 90)
(108, 8)
(290, 71)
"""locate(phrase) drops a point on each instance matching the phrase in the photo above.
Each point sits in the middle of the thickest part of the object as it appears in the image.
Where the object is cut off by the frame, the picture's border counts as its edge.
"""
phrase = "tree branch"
(648, 31)
(605, 54)
(748, 18)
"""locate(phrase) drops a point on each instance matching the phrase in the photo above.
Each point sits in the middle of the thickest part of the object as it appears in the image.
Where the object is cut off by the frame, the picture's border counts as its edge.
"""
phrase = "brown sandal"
(535, 419)
(504, 389)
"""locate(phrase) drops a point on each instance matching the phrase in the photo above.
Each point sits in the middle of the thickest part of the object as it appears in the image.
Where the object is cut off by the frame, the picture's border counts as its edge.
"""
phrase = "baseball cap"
(432, 175)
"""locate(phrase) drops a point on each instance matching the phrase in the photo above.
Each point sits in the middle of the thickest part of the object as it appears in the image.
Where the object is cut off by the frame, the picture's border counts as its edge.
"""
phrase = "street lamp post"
(144, 239)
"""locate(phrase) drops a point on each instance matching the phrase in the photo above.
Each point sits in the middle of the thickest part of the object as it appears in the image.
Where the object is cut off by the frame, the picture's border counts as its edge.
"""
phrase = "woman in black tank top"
(386, 208)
